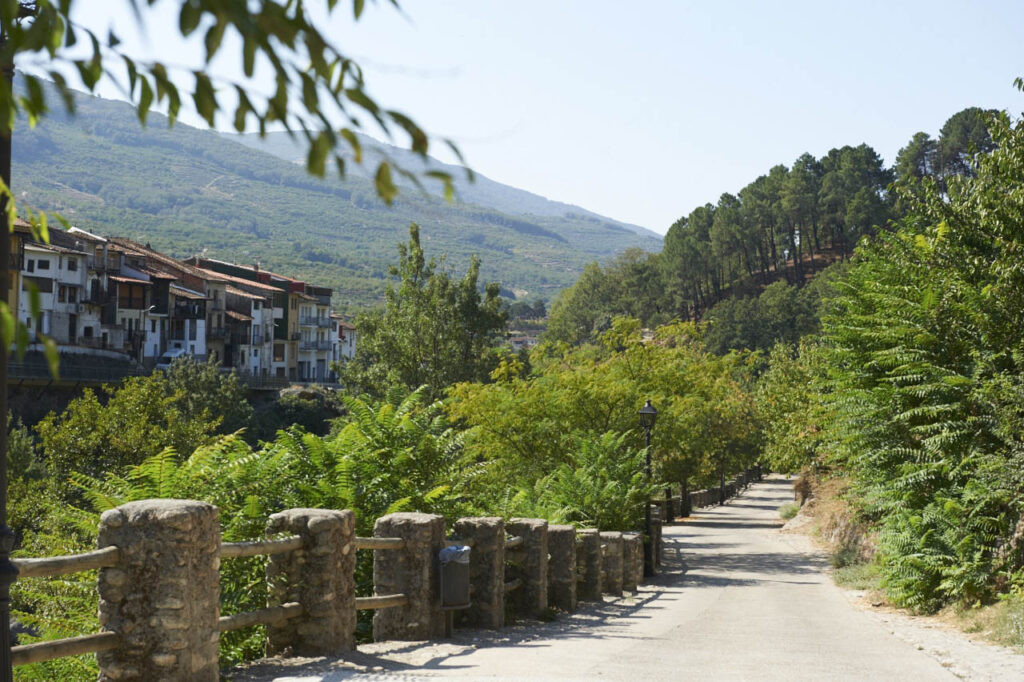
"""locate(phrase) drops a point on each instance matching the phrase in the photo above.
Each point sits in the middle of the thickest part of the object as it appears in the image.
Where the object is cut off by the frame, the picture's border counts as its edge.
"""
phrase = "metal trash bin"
(454, 576)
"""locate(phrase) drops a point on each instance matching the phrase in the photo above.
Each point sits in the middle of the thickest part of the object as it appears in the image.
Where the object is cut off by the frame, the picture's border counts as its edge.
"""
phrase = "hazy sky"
(642, 111)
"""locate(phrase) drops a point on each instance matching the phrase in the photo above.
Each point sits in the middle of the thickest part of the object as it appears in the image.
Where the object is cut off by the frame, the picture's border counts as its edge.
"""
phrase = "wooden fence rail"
(384, 601)
(60, 648)
(380, 543)
(50, 567)
(523, 561)
(230, 550)
(268, 616)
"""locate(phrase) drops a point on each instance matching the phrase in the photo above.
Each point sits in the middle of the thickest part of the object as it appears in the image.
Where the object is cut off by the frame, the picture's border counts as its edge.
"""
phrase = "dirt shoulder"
(968, 656)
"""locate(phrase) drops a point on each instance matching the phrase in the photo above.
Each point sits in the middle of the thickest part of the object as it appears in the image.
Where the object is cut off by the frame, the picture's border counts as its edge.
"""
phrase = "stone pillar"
(412, 571)
(486, 536)
(562, 568)
(532, 566)
(656, 540)
(611, 579)
(320, 576)
(163, 596)
(632, 551)
(589, 559)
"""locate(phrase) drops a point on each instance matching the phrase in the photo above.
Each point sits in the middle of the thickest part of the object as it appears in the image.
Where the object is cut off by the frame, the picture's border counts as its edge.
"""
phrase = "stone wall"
(163, 596)
(611, 574)
(412, 571)
(486, 538)
(530, 565)
(318, 576)
(562, 567)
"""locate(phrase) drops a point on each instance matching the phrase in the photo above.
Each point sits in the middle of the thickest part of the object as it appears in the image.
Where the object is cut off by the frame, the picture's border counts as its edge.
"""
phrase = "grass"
(789, 510)
(1000, 623)
(858, 577)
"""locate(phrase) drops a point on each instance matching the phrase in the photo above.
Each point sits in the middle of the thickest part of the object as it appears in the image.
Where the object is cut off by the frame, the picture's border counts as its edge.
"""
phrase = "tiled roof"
(142, 250)
(239, 281)
(234, 291)
(187, 293)
(235, 315)
(128, 280)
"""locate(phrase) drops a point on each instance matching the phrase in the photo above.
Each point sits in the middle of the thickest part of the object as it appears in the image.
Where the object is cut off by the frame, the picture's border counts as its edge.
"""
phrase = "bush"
(789, 510)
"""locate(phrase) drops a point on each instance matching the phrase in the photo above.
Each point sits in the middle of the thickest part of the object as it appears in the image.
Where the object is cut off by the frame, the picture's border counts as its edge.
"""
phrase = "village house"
(120, 296)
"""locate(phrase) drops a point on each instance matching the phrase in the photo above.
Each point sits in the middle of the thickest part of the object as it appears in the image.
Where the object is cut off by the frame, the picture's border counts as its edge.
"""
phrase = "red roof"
(129, 280)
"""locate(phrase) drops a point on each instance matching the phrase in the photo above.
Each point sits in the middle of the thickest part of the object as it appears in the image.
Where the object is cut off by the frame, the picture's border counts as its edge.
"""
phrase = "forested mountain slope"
(186, 190)
(481, 191)
(771, 236)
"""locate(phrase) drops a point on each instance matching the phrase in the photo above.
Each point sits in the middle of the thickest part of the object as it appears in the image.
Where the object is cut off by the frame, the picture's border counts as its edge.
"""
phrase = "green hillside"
(481, 191)
(186, 191)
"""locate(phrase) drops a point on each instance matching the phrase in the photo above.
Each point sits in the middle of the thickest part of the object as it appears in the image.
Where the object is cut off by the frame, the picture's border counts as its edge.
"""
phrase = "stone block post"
(632, 556)
(163, 596)
(562, 568)
(611, 579)
(531, 560)
(486, 536)
(413, 571)
(588, 556)
(320, 576)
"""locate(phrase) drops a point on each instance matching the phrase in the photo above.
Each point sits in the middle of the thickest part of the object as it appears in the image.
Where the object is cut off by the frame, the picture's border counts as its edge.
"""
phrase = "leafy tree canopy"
(433, 330)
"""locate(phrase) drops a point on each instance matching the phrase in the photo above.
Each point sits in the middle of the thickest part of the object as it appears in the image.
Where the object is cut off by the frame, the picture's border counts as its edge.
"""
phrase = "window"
(72, 265)
(31, 265)
(255, 305)
(152, 326)
(72, 294)
(44, 265)
(87, 332)
(255, 352)
(62, 294)
(192, 348)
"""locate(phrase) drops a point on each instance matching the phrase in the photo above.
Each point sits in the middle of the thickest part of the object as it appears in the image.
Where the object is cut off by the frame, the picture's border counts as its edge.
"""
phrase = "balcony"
(307, 320)
(324, 322)
(294, 336)
(100, 298)
(216, 332)
(257, 338)
(310, 344)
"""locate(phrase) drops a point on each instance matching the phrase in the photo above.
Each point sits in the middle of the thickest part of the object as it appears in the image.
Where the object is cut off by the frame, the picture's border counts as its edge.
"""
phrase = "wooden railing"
(382, 601)
(52, 567)
(516, 546)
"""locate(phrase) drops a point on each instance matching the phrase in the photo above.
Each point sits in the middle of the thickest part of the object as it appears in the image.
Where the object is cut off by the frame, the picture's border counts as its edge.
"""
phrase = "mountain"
(481, 191)
(187, 191)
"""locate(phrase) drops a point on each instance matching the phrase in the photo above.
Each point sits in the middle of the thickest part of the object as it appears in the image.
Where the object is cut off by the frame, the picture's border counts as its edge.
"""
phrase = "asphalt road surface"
(737, 600)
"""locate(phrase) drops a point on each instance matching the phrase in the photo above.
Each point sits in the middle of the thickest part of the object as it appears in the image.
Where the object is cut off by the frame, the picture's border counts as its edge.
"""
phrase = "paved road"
(737, 602)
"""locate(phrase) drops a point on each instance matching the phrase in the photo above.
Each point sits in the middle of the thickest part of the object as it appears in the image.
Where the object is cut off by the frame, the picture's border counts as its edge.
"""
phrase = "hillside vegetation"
(186, 191)
(783, 228)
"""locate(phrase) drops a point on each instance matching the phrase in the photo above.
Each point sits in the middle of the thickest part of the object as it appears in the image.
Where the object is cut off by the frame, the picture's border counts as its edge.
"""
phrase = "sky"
(643, 111)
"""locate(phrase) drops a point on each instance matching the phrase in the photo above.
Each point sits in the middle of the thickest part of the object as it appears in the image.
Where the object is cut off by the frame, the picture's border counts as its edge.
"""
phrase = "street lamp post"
(648, 415)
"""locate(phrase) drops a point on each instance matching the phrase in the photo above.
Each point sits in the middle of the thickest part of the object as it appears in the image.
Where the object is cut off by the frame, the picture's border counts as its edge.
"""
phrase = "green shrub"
(789, 510)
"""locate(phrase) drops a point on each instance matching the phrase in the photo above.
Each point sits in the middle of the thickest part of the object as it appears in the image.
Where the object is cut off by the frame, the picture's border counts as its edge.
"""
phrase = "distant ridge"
(188, 191)
(482, 191)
